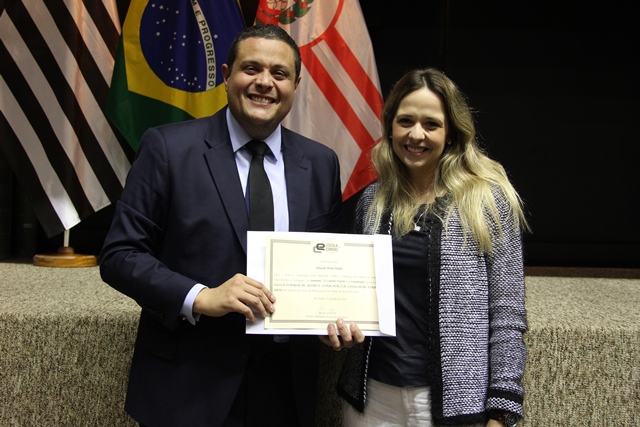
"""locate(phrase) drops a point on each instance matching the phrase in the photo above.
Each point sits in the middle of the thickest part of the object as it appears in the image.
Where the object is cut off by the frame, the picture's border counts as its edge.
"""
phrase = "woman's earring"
(449, 143)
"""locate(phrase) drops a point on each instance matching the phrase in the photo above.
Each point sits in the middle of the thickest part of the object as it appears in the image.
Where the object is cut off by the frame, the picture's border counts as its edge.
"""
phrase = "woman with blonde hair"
(456, 222)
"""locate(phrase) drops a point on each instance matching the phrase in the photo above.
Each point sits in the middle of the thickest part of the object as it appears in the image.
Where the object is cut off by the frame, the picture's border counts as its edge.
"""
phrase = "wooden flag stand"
(66, 257)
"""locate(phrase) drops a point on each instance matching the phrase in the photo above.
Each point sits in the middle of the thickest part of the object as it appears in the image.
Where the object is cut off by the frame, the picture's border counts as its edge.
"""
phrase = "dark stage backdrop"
(556, 94)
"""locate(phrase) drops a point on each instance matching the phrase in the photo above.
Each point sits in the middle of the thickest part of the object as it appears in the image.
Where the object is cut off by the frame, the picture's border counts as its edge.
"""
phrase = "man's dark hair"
(264, 31)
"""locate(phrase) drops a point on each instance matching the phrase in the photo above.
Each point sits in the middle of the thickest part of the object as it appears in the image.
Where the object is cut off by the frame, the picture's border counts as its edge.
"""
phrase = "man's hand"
(349, 335)
(239, 294)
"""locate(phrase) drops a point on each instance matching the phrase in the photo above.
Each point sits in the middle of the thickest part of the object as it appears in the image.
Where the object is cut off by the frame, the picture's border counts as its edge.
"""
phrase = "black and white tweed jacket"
(477, 349)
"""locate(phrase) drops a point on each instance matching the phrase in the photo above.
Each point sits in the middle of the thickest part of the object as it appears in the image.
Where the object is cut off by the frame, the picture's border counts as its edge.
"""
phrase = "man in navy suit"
(178, 247)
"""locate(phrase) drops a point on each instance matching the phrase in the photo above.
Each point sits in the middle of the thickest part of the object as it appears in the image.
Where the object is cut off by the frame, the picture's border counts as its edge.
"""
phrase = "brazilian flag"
(169, 63)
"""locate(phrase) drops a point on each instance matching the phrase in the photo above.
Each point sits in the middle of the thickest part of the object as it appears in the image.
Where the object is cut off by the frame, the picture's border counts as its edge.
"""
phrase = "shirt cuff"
(187, 305)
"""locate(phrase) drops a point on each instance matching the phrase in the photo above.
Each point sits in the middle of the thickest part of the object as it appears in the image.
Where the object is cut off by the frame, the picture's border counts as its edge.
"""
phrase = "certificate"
(319, 277)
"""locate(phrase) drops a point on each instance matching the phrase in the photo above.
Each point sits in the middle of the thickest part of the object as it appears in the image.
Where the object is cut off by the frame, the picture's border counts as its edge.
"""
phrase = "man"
(177, 246)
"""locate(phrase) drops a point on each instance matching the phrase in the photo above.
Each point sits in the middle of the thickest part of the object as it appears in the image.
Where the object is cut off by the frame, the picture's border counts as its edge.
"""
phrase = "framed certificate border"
(319, 277)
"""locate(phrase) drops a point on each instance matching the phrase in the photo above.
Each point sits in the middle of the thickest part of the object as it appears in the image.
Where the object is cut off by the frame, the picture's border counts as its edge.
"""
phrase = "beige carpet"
(66, 340)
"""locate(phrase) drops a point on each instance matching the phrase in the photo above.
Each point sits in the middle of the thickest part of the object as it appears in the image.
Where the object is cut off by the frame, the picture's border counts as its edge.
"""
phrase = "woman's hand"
(347, 337)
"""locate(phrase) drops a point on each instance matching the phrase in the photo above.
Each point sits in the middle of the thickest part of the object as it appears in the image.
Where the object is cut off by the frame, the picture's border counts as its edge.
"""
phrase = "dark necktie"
(260, 197)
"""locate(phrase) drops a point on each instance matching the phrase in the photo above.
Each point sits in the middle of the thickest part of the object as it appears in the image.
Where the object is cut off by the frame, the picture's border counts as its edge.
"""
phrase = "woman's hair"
(465, 174)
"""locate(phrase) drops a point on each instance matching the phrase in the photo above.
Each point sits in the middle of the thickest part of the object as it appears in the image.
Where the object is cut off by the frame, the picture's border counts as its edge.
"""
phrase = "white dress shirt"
(274, 167)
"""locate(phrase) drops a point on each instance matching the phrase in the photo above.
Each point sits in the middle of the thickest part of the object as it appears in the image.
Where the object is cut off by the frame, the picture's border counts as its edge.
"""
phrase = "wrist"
(508, 419)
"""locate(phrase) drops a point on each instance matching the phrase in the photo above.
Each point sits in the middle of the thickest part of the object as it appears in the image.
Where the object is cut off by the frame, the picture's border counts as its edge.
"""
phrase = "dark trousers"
(266, 396)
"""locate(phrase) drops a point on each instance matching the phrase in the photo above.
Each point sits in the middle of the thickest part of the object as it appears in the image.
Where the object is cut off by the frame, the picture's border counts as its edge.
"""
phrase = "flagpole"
(65, 257)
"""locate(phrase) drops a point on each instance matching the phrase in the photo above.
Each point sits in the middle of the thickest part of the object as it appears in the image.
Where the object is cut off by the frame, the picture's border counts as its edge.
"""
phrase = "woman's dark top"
(402, 360)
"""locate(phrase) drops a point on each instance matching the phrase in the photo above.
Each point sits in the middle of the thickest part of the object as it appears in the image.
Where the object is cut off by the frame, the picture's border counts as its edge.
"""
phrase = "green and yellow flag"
(169, 63)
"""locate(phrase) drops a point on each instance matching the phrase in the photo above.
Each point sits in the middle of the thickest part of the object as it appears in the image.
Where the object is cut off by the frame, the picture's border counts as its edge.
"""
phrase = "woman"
(455, 220)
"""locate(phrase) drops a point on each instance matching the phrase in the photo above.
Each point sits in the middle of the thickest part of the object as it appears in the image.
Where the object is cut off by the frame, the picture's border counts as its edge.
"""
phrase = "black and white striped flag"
(56, 61)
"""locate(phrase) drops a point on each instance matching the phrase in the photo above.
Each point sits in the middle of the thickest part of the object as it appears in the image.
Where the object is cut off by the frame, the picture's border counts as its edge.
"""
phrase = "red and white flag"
(338, 102)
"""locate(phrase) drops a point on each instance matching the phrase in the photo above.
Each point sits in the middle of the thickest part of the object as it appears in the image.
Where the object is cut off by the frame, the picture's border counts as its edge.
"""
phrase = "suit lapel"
(222, 165)
(224, 172)
(298, 177)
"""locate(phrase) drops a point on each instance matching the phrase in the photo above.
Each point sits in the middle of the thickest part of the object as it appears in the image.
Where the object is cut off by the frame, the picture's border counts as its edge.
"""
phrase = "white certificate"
(319, 277)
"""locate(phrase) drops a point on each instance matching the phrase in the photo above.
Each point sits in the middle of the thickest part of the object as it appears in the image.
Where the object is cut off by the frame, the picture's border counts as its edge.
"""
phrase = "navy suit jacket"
(182, 220)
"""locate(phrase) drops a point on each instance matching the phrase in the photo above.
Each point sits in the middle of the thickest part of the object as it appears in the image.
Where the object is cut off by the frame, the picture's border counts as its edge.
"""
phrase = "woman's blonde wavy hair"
(465, 174)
